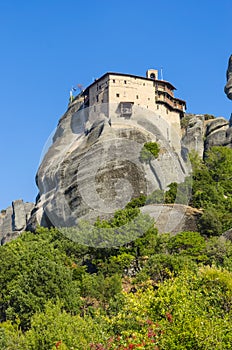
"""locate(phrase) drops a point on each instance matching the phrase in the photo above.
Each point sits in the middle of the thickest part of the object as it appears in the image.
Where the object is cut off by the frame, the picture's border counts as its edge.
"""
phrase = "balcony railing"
(171, 102)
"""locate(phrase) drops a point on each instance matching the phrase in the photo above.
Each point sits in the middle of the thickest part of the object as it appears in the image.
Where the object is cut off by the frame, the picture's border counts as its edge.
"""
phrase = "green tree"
(212, 189)
(32, 272)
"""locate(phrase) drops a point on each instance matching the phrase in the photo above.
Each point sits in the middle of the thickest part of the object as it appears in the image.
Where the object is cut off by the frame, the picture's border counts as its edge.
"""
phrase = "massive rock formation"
(14, 220)
(93, 165)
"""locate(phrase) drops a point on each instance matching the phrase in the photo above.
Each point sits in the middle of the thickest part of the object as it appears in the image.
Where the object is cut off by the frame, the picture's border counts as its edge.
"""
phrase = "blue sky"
(48, 46)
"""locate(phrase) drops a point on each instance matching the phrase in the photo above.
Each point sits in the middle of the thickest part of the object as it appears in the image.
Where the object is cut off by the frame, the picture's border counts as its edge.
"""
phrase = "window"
(152, 76)
(97, 99)
(117, 95)
(124, 81)
(113, 80)
(157, 106)
(148, 98)
(137, 96)
(126, 108)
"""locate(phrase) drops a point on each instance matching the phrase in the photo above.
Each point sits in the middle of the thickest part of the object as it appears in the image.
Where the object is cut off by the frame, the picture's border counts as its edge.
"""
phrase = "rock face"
(201, 134)
(14, 220)
(218, 133)
(228, 234)
(193, 137)
(173, 218)
(228, 87)
(93, 166)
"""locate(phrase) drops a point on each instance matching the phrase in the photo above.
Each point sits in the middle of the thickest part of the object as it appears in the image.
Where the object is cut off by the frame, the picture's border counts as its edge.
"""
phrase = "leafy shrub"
(136, 202)
(170, 195)
(184, 122)
(149, 151)
(210, 222)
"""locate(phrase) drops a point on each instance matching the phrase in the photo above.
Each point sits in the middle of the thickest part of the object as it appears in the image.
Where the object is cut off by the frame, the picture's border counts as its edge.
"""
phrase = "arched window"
(152, 76)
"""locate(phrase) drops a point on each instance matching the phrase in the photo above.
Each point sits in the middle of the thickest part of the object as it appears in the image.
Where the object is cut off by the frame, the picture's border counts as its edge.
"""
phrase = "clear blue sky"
(47, 46)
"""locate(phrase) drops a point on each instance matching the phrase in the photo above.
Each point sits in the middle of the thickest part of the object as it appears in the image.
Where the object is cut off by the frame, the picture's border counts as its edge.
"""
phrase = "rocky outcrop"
(93, 166)
(218, 133)
(228, 234)
(193, 135)
(173, 218)
(200, 134)
(14, 220)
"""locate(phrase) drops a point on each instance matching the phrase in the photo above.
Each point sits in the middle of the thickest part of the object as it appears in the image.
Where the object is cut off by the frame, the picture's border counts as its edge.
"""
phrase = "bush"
(210, 222)
(170, 195)
(149, 151)
(136, 202)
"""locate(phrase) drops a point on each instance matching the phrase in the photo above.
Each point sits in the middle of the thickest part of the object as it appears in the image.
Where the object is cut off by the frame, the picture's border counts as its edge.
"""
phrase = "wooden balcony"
(170, 101)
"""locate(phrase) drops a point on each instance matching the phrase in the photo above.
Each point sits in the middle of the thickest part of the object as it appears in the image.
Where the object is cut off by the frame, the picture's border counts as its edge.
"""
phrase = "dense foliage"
(172, 292)
(209, 188)
(155, 291)
(212, 190)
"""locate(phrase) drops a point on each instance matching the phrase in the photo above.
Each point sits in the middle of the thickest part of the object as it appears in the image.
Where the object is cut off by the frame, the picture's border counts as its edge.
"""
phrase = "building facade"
(127, 91)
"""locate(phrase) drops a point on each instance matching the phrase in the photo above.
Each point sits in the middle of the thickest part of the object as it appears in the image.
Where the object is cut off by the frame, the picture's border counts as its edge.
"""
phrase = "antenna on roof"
(161, 73)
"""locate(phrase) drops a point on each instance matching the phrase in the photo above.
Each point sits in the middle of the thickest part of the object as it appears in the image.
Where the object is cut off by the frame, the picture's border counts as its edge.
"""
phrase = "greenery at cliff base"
(157, 291)
(172, 292)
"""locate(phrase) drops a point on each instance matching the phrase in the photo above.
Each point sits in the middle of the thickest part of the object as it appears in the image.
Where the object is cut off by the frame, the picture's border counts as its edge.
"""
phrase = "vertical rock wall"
(14, 220)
